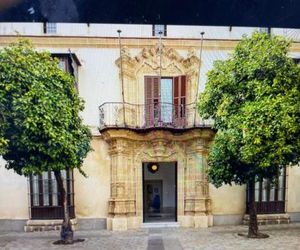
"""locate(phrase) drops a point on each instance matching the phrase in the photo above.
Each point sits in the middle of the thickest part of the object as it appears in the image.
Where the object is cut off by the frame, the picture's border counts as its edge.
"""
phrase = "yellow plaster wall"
(293, 188)
(92, 193)
(13, 194)
(228, 199)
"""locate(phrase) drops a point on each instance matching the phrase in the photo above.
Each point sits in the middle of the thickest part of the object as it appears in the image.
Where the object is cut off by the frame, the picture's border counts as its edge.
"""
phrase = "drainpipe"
(160, 52)
(197, 91)
(160, 55)
(122, 78)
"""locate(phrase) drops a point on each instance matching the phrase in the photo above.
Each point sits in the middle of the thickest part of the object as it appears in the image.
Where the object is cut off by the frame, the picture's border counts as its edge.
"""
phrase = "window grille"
(157, 28)
(45, 199)
(50, 28)
(270, 197)
(265, 30)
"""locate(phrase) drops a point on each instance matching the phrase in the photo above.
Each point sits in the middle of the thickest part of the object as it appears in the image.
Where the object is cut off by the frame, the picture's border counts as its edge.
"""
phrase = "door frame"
(176, 187)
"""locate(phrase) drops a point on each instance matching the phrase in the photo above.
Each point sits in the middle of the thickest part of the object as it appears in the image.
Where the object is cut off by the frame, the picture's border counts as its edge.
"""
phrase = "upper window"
(165, 100)
(69, 63)
(265, 30)
(50, 28)
(296, 60)
(159, 29)
(65, 64)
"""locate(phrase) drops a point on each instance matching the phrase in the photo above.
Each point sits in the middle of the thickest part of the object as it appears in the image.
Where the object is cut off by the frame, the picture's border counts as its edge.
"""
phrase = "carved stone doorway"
(128, 150)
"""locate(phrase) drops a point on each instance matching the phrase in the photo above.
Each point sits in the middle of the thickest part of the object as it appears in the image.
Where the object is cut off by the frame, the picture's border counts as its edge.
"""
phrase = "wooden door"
(179, 101)
(152, 100)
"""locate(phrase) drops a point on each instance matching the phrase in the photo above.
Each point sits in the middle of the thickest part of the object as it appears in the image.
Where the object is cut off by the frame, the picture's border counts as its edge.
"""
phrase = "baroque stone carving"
(154, 60)
(150, 56)
(129, 149)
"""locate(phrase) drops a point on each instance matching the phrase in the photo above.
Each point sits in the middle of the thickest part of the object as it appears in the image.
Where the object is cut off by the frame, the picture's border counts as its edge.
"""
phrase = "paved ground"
(281, 237)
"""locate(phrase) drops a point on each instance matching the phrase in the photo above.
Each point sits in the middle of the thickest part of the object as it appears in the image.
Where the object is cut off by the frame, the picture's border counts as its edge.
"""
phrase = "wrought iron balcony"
(149, 116)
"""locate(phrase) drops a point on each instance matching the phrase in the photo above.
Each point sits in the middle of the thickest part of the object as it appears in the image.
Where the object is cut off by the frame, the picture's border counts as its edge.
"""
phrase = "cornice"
(197, 133)
(111, 42)
(132, 42)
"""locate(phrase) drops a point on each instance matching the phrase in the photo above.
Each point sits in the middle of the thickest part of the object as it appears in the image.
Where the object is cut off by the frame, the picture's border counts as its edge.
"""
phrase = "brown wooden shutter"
(152, 99)
(179, 100)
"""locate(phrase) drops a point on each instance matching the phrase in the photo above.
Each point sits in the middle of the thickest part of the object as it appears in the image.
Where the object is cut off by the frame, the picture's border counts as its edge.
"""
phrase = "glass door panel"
(166, 99)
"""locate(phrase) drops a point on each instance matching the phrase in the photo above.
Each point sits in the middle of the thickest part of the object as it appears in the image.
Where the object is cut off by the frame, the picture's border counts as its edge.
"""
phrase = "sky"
(257, 13)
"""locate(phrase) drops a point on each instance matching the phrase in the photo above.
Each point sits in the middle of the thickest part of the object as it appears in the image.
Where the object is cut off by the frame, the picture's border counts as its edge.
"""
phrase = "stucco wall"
(137, 30)
(293, 189)
(98, 78)
(92, 193)
(228, 200)
(13, 194)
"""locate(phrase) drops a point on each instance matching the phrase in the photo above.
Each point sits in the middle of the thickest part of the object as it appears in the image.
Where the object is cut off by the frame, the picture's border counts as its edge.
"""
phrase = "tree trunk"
(253, 228)
(66, 233)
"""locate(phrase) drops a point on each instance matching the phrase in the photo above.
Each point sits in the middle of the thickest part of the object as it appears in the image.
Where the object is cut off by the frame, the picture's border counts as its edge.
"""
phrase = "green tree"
(254, 99)
(41, 126)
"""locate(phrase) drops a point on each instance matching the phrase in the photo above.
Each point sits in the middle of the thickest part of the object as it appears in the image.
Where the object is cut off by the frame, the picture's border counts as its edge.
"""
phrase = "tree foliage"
(40, 122)
(254, 99)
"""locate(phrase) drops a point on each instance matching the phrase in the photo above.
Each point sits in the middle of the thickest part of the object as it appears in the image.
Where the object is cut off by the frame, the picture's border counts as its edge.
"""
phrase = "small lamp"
(153, 167)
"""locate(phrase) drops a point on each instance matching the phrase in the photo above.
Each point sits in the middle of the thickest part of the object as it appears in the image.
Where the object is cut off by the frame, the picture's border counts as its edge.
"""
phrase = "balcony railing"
(149, 116)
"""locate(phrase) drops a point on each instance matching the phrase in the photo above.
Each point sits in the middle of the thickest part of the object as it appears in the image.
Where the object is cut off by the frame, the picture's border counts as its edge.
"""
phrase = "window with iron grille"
(157, 28)
(50, 28)
(45, 198)
(270, 197)
(265, 30)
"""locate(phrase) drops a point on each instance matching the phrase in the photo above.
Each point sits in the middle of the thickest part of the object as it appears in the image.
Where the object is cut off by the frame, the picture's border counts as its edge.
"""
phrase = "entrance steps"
(268, 219)
(159, 224)
(47, 225)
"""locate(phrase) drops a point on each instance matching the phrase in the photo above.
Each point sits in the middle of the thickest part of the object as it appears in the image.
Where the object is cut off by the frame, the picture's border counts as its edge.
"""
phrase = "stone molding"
(112, 42)
(268, 219)
(47, 225)
(132, 42)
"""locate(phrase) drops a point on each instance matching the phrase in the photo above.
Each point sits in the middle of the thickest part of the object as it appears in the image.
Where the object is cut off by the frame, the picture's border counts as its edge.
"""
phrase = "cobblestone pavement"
(281, 237)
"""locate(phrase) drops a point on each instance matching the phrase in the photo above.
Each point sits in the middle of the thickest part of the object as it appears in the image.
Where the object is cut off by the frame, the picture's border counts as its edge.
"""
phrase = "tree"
(3, 141)
(254, 99)
(41, 125)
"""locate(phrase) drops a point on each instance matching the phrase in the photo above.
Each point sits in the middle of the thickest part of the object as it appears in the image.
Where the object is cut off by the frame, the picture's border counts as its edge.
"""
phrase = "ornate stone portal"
(129, 149)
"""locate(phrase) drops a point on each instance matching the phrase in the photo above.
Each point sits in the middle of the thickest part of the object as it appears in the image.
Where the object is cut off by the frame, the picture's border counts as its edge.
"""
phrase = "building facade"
(150, 145)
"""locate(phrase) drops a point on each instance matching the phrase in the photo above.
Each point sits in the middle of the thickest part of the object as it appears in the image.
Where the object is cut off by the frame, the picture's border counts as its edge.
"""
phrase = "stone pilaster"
(121, 205)
(197, 209)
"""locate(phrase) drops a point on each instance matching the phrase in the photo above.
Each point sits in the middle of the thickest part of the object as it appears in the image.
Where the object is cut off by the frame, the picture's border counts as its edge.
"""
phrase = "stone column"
(121, 205)
(197, 202)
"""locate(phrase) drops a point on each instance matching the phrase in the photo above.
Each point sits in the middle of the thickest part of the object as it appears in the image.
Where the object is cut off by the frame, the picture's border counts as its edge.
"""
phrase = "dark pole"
(160, 52)
(122, 79)
(197, 90)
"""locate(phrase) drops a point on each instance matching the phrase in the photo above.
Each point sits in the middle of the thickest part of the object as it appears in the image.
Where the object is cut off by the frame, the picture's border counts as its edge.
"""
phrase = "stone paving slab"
(283, 237)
